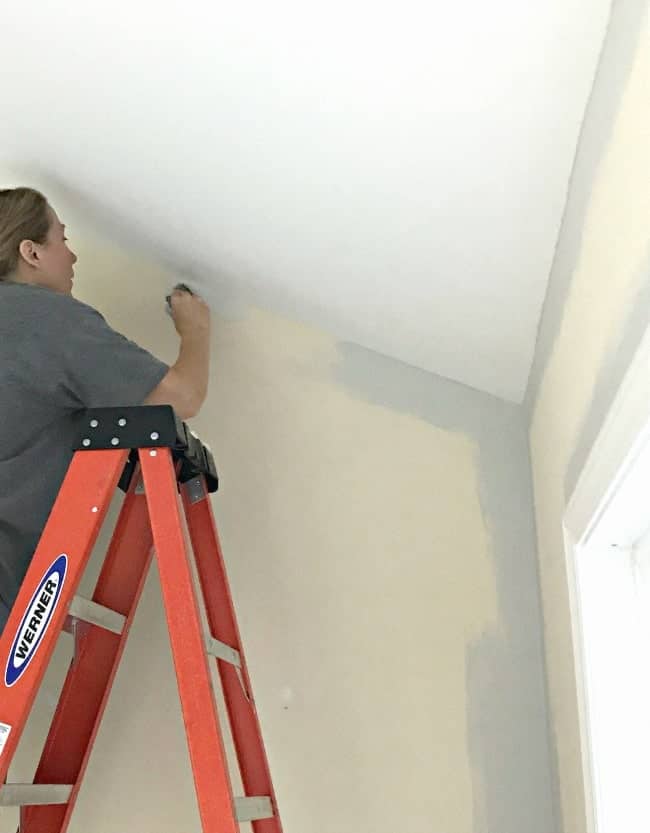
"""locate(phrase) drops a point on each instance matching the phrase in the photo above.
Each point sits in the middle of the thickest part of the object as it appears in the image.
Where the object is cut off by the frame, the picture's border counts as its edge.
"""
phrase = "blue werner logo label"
(36, 620)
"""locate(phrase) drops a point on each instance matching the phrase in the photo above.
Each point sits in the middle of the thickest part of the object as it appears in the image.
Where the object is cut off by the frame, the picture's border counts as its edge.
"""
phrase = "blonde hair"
(23, 216)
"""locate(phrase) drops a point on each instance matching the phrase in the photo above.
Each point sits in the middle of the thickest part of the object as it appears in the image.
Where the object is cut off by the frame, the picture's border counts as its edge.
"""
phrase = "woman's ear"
(29, 252)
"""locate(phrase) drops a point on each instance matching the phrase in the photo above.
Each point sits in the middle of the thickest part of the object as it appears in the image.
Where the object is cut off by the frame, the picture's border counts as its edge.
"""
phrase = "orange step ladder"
(165, 470)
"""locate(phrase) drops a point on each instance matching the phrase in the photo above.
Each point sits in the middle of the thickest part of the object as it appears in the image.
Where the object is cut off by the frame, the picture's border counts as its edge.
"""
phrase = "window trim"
(623, 444)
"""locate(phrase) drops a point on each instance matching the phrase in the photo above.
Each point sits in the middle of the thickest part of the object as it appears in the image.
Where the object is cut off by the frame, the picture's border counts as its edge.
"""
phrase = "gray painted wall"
(507, 707)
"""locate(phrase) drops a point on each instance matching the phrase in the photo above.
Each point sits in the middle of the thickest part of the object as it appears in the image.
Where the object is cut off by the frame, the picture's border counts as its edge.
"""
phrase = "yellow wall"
(378, 531)
(596, 313)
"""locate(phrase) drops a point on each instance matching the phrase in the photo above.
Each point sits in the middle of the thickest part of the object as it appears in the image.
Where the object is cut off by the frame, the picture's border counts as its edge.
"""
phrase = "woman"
(60, 356)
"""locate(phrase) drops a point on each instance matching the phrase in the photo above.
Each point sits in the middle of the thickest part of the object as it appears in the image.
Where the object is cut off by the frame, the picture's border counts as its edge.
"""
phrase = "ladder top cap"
(147, 426)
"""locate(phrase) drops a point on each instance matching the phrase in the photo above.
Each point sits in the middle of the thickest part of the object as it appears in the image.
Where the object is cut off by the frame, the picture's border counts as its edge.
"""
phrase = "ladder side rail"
(40, 610)
(238, 694)
(207, 755)
(98, 652)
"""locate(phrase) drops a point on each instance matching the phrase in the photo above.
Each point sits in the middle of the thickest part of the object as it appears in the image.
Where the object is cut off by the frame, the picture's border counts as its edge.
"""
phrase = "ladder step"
(222, 651)
(96, 614)
(253, 809)
(23, 795)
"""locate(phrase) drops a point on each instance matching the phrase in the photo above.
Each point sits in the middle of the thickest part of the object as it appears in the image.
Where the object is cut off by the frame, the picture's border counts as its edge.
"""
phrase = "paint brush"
(168, 298)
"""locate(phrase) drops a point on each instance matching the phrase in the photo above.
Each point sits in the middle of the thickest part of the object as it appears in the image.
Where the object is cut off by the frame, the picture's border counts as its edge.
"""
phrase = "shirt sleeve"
(99, 367)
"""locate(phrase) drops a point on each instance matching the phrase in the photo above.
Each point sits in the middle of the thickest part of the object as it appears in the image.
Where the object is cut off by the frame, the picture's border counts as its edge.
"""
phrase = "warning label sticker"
(4, 735)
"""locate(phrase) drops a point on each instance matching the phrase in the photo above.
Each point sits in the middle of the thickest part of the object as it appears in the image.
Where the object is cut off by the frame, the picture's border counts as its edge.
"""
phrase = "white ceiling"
(394, 172)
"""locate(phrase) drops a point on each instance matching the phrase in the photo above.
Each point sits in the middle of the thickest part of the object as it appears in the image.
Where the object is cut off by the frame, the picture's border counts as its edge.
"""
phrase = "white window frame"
(621, 449)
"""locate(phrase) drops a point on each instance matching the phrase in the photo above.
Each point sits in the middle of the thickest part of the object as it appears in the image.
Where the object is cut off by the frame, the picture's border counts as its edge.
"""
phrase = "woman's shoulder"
(26, 309)
(29, 295)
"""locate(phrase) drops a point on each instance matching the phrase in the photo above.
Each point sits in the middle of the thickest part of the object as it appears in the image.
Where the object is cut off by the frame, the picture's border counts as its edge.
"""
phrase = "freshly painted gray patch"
(617, 360)
(507, 704)
(616, 61)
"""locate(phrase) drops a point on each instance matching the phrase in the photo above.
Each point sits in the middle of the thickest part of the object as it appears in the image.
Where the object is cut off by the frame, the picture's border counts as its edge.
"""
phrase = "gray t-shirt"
(59, 356)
